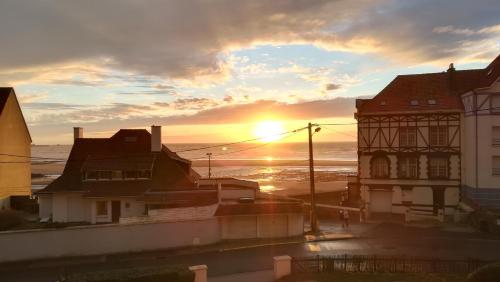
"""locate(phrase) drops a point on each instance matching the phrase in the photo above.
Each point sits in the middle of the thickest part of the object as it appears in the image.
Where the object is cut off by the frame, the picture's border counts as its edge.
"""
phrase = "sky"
(225, 70)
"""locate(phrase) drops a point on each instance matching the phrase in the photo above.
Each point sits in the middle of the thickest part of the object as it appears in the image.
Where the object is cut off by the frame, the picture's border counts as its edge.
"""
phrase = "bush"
(9, 219)
(150, 274)
(487, 273)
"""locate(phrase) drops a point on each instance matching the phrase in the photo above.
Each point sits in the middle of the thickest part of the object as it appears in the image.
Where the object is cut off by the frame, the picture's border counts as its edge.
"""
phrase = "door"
(115, 211)
(381, 201)
(437, 199)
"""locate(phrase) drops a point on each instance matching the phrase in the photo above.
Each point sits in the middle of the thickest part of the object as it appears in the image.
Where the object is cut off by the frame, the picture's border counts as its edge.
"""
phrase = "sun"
(268, 131)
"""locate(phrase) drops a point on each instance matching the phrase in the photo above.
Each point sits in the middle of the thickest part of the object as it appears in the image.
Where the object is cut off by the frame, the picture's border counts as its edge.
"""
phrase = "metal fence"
(360, 263)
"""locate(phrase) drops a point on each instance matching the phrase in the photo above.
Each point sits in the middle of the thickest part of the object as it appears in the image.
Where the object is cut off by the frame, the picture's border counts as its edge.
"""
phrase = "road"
(388, 240)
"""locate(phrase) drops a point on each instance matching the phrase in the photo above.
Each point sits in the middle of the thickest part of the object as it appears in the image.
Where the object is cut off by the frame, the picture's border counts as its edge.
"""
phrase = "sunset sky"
(212, 71)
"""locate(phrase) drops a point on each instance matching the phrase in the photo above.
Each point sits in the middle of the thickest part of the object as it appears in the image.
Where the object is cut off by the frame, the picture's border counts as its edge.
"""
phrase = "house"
(244, 213)
(124, 175)
(418, 146)
(481, 138)
(15, 149)
(132, 178)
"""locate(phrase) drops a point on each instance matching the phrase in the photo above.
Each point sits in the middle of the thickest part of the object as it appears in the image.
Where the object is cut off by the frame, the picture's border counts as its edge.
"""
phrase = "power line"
(239, 142)
(253, 147)
(292, 132)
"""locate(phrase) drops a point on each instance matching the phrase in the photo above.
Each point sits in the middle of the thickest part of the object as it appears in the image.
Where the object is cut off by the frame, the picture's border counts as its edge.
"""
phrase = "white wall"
(44, 206)
(106, 239)
(262, 226)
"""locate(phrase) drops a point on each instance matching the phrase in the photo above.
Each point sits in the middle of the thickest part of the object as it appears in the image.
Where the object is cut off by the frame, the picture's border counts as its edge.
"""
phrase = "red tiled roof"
(443, 88)
(127, 149)
(259, 208)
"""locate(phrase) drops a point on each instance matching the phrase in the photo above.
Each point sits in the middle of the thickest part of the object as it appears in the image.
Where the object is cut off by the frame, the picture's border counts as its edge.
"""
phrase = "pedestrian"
(345, 222)
(341, 217)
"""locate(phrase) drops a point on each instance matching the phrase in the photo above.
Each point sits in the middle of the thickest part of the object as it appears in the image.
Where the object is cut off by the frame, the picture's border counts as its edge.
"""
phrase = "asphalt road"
(386, 240)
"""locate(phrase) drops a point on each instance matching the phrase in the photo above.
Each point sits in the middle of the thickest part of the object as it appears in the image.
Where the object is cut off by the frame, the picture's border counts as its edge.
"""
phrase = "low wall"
(106, 239)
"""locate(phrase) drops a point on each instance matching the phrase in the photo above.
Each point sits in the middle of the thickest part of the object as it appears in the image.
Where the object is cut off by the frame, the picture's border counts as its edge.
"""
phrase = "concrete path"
(260, 276)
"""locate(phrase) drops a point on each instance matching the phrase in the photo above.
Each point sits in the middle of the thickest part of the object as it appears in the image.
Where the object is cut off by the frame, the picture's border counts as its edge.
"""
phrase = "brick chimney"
(77, 132)
(156, 138)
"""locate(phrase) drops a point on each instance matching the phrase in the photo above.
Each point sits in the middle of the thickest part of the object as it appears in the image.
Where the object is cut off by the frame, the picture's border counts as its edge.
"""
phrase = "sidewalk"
(258, 276)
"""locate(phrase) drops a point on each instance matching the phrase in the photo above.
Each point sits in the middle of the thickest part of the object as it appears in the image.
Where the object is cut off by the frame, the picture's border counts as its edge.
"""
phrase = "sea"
(256, 161)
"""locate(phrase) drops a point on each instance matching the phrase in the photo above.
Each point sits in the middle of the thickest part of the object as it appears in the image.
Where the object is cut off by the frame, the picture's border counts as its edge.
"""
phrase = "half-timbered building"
(412, 142)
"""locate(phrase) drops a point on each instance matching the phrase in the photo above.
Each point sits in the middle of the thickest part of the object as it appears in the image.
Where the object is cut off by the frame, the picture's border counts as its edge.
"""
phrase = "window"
(496, 165)
(408, 167)
(105, 175)
(101, 208)
(117, 175)
(144, 174)
(431, 102)
(91, 175)
(414, 102)
(438, 135)
(130, 139)
(496, 135)
(380, 167)
(131, 174)
(495, 103)
(407, 136)
(438, 167)
(137, 174)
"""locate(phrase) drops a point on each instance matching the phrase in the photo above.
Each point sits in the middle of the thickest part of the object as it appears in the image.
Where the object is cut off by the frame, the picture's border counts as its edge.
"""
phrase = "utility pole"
(209, 165)
(313, 218)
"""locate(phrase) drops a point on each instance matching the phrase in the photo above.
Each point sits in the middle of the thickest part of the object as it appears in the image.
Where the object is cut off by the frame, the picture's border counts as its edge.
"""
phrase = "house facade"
(15, 149)
(481, 160)
(132, 178)
(414, 146)
(124, 175)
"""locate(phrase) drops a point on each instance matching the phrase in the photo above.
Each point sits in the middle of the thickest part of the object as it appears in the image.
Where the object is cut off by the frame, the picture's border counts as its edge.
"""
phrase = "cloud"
(129, 115)
(332, 86)
(178, 39)
(191, 40)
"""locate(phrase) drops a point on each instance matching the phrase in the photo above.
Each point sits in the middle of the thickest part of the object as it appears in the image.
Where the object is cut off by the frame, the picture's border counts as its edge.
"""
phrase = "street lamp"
(209, 165)
(314, 218)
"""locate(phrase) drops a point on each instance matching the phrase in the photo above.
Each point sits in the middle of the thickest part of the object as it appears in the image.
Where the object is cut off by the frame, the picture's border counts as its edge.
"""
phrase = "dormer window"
(130, 139)
(414, 102)
(431, 102)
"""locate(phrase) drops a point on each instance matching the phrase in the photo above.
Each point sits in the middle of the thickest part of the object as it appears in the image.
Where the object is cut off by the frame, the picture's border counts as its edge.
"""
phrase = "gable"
(10, 110)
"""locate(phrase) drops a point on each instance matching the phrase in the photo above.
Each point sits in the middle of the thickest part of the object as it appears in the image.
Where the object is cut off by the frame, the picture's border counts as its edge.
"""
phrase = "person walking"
(345, 216)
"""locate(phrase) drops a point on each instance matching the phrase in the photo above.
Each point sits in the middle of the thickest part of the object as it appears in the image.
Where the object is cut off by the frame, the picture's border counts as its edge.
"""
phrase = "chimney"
(451, 79)
(77, 132)
(156, 138)
(451, 68)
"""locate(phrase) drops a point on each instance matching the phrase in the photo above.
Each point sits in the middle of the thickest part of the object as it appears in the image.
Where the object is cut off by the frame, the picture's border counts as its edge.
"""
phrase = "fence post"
(345, 262)
(200, 272)
(282, 266)
(318, 262)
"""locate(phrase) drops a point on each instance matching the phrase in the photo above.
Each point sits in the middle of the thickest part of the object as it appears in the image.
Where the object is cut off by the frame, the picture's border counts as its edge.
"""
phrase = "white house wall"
(44, 206)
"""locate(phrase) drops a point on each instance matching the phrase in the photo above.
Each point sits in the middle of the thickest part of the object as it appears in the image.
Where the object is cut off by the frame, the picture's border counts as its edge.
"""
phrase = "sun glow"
(268, 131)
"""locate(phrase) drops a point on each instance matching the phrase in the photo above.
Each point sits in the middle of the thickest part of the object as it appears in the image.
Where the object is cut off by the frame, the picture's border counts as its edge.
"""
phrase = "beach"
(280, 169)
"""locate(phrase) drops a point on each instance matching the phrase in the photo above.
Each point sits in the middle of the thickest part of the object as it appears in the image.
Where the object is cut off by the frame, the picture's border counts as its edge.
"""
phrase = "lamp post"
(209, 165)
(313, 218)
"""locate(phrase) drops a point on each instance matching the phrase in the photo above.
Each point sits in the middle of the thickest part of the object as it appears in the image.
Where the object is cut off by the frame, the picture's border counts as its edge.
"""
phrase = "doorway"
(115, 211)
(437, 199)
